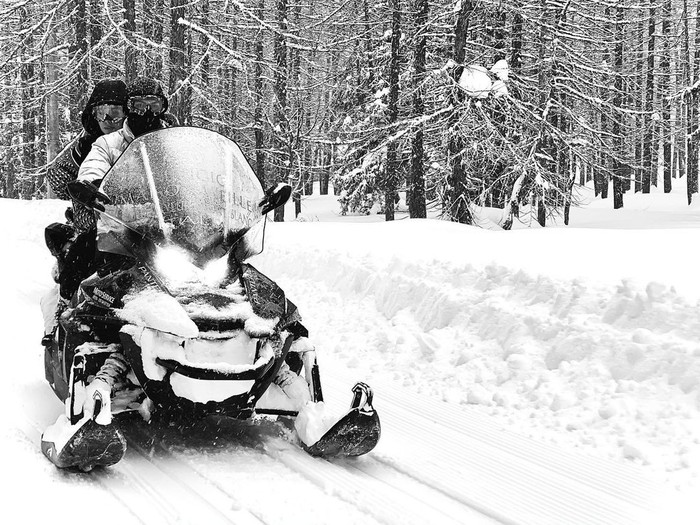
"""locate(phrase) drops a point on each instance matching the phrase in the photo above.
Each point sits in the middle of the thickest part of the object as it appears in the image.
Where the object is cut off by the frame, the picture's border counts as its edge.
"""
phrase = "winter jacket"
(65, 166)
(104, 153)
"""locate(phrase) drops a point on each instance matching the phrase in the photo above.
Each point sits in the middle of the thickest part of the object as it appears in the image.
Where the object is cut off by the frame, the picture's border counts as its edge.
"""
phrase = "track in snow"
(434, 464)
(243, 472)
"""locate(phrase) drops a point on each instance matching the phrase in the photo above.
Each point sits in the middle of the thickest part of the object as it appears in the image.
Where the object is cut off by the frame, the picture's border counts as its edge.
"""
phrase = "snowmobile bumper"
(251, 374)
(356, 433)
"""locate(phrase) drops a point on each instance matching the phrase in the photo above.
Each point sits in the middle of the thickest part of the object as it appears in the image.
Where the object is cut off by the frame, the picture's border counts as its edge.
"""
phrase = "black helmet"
(107, 91)
(146, 86)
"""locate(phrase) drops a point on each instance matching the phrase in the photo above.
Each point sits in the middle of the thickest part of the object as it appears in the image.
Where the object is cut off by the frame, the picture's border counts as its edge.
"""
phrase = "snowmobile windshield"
(187, 187)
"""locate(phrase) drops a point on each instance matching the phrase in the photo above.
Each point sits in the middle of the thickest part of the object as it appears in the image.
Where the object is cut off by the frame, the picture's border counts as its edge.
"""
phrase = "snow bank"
(520, 325)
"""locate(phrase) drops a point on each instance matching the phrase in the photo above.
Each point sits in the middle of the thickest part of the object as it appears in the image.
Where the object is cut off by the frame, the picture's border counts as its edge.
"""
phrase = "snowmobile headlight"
(216, 271)
(175, 265)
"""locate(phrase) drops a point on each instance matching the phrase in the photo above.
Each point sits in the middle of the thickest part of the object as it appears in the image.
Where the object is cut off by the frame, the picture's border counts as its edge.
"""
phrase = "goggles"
(140, 105)
(108, 112)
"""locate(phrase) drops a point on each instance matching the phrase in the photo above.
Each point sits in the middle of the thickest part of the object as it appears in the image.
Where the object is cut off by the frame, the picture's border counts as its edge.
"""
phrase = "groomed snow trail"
(436, 463)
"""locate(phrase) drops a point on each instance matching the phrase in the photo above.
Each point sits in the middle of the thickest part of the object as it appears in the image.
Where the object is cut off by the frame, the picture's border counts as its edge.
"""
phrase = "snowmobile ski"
(355, 434)
(89, 446)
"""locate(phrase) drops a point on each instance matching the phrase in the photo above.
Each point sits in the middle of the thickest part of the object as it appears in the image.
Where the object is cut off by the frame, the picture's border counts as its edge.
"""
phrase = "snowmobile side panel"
(266, 297)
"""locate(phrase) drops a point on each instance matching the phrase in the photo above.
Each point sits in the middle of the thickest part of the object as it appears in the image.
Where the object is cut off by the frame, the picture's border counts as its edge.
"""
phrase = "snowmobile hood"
(184, 187)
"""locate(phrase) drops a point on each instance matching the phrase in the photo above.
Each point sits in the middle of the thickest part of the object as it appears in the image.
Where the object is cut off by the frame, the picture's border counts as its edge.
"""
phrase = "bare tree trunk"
(179, 99)
(233, 87)
(416, 190)
(546, 95)
(649, 137)
(516, 39)
(692, 105)
(258, 95)
(97, 70)
(282, 132)
(131, 69)
(456, 204)
(205, 63)
(665, 92)
(53, 125)
(618, 170)
(29, 113)
(296, 165)
(153, 11)
(392, 163)
(369, 45)
(327, 149)
(640, 119)
(78, 53)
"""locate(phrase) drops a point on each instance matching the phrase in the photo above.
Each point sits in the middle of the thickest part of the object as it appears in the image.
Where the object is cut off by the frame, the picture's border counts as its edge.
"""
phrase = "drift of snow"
(586, 336)
(61, 431)
(314, 420)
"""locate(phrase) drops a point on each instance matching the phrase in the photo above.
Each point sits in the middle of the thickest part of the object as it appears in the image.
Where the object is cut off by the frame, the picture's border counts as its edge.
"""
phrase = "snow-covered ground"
(586, 335)
(580, 340)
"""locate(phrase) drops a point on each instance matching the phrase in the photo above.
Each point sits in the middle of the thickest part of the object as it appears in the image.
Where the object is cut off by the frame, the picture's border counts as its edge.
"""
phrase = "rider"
(104, 113)
(141, 107)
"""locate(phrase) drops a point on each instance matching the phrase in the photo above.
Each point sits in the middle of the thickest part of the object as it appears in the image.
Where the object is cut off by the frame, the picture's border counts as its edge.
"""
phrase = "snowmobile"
(175, 318)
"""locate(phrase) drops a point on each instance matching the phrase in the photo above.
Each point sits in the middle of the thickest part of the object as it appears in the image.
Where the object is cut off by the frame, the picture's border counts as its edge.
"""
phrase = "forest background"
(376, 97)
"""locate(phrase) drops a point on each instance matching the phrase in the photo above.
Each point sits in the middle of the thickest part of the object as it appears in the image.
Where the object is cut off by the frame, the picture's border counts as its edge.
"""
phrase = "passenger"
(104, 113)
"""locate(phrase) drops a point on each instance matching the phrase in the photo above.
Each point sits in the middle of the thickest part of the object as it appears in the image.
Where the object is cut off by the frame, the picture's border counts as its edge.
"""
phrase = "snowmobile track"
(375, 490)
(483, 467)
(197, 483)
(474, 476)
(184, 486)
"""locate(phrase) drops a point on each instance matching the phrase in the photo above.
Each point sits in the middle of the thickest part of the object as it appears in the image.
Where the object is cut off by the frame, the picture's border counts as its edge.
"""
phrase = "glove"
(275, 196)
(98, 391)
(87, 194)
